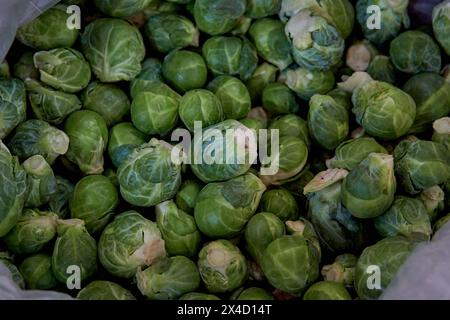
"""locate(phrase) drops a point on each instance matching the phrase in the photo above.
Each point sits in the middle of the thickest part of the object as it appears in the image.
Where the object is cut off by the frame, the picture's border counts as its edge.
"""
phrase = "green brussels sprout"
(32, 232)
(49, 30)
(415, 52)
(122, 8)
(37, 137)
(233, 95)
(223, 208)
(271, 42)
(129, 242)
(24, 67)
(382, 69)
(107, 100)
(242, 26)
(342, 270)
(350, 153)
(252, 293)
(114, 49)
(13, 105)
(327, 290)
(406, 217)
(342, 97)
(421, 164)
(277, 98)
(148, 176)
(200, 105)
(319, 46)
(253, 124)
(168, 31)
(442, 132)
(392, 16)
(51, 105)
(186, 197)
(73, 247)
(88, 136)
(433, 199)
(387, 256)
(431, 93)
(184, 70)
(37, 272)
(178, 230)
(360, 54)
(168, 278)
(291, 125)
(261, 77)
(59, 201)
(306, 83)
(441, 23)
(368, 190)
(441, 222)
(15, 273)
(94, 200)
(104, 290)
(222, 266)
(41, 181)
(281, 203)
(151, 73)
(123, 139)
(198, 296)
(63, 69)
(4, 70)
(216, 17)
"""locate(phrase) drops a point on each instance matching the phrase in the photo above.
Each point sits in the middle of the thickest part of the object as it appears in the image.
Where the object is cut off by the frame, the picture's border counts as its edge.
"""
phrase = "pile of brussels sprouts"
(89, 189)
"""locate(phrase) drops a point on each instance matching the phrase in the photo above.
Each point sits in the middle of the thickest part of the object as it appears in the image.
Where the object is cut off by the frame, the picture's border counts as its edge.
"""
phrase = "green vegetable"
(306, 83)
(123, 139)
(281, 203)
(12, 105)
(251, 294)
(41, 181)
(327, 290)
(121, 8)
(441, 23)
(104, 290)
(37, 272)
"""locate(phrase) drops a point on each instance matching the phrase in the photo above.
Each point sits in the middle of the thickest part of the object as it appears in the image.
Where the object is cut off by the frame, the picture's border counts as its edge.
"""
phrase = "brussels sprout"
(148, 176)
(184, 70)
(51, 105)
(271, 42)
(104, 290)
(200, 105)
(32, 232)
(178, 229)
(198, 296)
(281, 203)
(168, 278)
(433, 199)
(327, 290)
(222, 266)
(123, 139)
(342, 97)
(261, 77)
(441, 23)
(49, 30)
(4, 70)
(223, 208)
(342, 270)
(415, 52)
(382, 69)
(41, 182)
(306, 83)
(350, 153)
(442, 132)
(24, 68)
(168, 31)
(421, 164)
(432, 95)
(216, 17)
(387, 255)
(37, 272)
(233, 96)
(60, 200)
(73, 247)
(122, 8)
(37, 137)
(277, 98)
(15, 273)
(262, 8)
(253, 124)
(151, 73)
(360, 55)
(252, 293)
(13, 105)
(114, 49)
(293, 126)
(406, 217)
(441, 222)
(88, 136)
(260, 114)
(107, 100)
(368, 190)
(186, 197)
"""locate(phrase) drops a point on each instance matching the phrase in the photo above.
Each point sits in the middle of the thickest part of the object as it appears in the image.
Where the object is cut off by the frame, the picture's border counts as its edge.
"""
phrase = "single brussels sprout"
(107, 100)
(223, 208)
(88, 136)
(49, 30)
(222, 266)
(406, 217)
(327, 290)
(32, 232)
(350, 153)
(104, 290)
(388, 255)
(24, 68)
(441, 24)
(342, 270)
(277, 98)
(431, 93)
(233, 95)
(293, 126)
(73, 247)
(185, 70)
(37, 272)
(442, 132)
(13, 105)
(151, 73)
(433, 199)
(360, 55)
(168, 31)
(59, 202)
(262, 8)
(271, 42)
(37, 137)
(178, 230)
(148, 175)
(281, 203)
(114, 49)
(123, 139)
(15, 273)
(392, 15)
(261, 77)
(168, 278)
(51, 105)
(382, 69)
(441, 222)
(41, 181)
(216, 17)
(122, 8)
(198, 296)
(368, 190)
(306, 83)
(186, 197)
(200, 105)
(252, 293)
(4, 70)
(421, 164)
